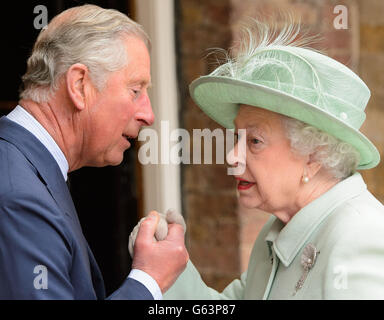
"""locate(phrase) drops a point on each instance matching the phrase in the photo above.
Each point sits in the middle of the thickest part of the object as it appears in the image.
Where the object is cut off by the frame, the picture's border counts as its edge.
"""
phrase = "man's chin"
(116, 160)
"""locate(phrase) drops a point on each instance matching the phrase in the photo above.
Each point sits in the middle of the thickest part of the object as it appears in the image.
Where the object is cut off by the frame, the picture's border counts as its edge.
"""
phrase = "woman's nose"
(231, 158)
(236, 158)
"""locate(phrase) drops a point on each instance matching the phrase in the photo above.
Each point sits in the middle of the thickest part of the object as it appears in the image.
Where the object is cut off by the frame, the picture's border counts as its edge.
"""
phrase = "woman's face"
(272, 177)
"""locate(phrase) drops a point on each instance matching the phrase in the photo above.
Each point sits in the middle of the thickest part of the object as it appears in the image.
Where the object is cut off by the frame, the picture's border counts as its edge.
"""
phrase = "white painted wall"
(161, 183)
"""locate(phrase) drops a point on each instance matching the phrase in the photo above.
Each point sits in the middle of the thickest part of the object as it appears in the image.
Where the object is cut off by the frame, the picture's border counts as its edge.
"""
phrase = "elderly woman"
(302, 112)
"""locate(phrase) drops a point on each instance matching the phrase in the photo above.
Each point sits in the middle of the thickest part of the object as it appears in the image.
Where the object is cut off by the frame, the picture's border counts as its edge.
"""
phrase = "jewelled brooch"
(308, 260)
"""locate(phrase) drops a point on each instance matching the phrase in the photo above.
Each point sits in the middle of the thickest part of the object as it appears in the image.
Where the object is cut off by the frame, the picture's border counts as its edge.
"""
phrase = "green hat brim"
(220, 97)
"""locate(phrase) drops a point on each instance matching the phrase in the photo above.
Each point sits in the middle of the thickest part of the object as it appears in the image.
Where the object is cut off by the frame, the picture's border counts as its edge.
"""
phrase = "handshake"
(171, 216)
(157, 247)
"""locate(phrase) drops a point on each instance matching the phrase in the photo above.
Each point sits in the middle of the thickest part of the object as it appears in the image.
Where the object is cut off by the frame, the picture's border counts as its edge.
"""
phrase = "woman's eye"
(255, 141)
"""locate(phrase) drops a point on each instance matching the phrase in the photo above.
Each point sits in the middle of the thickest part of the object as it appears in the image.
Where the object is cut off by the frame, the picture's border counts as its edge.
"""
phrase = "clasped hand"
(157, 247)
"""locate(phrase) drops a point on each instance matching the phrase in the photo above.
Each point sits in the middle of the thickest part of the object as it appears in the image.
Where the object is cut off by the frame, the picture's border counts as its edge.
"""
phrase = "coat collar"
(287, 240)
(38, 155)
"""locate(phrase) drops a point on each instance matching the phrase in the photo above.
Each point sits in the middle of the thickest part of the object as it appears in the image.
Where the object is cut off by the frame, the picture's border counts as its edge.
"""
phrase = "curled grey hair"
(339, 158)
(89, 35)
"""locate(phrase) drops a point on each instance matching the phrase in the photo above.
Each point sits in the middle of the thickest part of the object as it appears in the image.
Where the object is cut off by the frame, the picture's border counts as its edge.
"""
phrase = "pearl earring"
(305, 179)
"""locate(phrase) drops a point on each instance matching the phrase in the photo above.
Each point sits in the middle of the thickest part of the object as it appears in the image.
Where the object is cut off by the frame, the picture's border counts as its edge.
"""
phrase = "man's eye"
(136, 92)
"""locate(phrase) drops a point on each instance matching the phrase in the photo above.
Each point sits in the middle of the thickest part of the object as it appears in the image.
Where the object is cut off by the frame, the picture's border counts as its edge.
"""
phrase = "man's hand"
(163, 260)
(171, 216)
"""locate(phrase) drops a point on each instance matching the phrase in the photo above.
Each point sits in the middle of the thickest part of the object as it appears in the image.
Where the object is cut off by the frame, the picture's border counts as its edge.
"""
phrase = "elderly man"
(84, 97)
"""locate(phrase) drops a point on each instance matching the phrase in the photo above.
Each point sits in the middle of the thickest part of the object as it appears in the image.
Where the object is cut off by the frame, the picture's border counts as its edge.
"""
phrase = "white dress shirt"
(26, 120)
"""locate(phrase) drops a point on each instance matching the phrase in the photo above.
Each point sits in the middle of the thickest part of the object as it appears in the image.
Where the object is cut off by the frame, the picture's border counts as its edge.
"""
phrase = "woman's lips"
(244, 184)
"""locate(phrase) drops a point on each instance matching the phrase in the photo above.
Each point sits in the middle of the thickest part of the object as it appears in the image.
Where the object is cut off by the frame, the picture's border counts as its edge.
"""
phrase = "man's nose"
(145, 113)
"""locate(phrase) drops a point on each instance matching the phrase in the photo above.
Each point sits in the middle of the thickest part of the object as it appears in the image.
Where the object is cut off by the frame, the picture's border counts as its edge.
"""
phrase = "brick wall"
(221, 234)
(209, 198)
(371, 66)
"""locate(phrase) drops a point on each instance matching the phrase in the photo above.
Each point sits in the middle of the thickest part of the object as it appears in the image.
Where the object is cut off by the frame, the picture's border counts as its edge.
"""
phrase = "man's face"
(118, 111)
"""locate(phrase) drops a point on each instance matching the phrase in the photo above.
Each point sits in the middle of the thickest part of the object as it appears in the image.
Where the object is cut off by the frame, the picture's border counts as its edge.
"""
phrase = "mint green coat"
(346, 226)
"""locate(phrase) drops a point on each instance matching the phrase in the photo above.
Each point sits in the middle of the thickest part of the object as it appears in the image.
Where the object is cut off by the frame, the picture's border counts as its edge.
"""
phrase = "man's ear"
(77, 78)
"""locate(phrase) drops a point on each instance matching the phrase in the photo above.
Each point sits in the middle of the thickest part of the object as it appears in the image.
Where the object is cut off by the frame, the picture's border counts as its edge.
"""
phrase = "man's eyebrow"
(141, 83)
(145, 83)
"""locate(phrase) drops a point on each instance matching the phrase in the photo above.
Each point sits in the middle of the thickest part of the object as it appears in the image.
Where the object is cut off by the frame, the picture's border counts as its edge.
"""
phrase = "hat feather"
(258, 55)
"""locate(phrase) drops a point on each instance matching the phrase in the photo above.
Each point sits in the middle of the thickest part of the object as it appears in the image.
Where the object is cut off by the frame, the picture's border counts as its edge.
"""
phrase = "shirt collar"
(26, 120)
(287, 240)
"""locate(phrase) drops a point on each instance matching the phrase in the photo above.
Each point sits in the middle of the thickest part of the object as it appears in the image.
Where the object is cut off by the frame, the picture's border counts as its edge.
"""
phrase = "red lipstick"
(244, 184)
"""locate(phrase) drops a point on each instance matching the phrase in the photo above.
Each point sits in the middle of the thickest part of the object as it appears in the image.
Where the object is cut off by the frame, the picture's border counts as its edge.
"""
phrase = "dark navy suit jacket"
(43, 253)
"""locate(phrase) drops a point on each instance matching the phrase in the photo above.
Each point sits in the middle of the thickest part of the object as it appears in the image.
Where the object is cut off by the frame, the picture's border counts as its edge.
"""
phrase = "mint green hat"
(296, 82)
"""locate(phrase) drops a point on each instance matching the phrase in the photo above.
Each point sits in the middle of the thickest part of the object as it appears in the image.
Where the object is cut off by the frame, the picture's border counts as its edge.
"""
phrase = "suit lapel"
(49, 172)
(60, 192)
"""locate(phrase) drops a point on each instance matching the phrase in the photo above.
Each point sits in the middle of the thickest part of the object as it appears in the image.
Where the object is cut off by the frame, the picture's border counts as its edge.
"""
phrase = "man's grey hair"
(87, 34)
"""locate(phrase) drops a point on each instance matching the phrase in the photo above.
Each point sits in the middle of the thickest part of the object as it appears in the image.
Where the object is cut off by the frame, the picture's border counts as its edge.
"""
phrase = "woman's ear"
(312, 167)
(77, 79)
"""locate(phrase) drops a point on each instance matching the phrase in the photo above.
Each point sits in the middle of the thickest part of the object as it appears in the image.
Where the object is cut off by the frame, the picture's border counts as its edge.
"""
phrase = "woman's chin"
(250, 202)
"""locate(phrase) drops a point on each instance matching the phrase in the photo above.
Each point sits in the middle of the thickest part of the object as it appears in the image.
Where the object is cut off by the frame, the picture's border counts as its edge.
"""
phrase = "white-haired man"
(84, 97)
